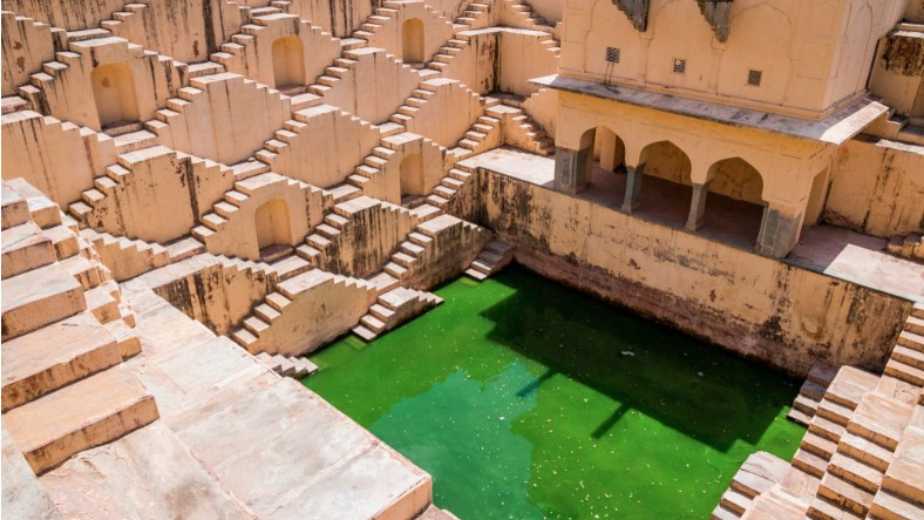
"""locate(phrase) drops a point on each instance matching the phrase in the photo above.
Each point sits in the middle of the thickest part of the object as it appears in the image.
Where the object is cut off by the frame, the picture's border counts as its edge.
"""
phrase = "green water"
(524, 399)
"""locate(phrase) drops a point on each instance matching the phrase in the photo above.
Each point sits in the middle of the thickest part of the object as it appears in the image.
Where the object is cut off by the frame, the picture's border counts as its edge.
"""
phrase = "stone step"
(372, 323)
(866, 451)
(381, 312)
(826, 428)
(856, 472)
(810, 463)
(735, 501)
(244, 338)
(880, 419)
(364, 333)
(87, 413)
(905, 372)
(822, 508)
(911, 340)
(476, 274)
(47, 359)
(834, 412)
(914, 325)
(818, 445)
(888, 506)
(908, 356)
(844, 494)
(25, 248)
(39, 297)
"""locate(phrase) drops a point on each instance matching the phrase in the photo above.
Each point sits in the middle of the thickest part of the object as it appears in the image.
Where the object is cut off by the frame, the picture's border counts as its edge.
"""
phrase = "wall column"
(572, 169)
(633, 188)
(697, 206)
(779, 231)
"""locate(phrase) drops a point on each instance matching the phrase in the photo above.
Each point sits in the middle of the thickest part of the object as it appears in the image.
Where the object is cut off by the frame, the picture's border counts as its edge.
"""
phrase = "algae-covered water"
(524, 399)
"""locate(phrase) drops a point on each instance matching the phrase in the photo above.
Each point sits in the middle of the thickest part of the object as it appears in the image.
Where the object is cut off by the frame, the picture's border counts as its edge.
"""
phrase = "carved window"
(612, 55)
(754, 77)
(680, 65)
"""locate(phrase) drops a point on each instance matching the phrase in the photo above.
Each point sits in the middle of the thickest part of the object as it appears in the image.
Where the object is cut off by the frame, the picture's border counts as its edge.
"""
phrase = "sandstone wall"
(27, 44)
(223, 117)
(374, 87)
(877, 187)
(340, 17)
(475, 65)
(542, 107)
(453, 246)
(218, 293)
(448, 113)
(521, 57)
(436, 30)
(48, 154)
(72, 15)
(758, 307)
(325, 147)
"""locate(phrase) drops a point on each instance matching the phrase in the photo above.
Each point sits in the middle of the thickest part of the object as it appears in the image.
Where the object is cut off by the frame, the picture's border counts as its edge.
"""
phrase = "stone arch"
(288, 62)
(748, 48)
(666, 160)
(737, 179)
(412, 177)
(609, 149)
(412, 41)
(114, 94)
(271, 223)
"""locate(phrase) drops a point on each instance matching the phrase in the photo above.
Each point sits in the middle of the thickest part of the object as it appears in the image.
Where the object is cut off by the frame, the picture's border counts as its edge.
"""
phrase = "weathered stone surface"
(23, 496)
(148, 474)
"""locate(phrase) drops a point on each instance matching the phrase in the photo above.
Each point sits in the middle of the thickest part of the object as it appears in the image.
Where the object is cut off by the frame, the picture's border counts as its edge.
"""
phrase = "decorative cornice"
(716, 13)
(636, 11)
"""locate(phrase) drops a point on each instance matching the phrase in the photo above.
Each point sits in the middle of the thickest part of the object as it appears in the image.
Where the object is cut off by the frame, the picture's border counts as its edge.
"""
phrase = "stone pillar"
(697, 206)
(779, 231)
(633, 188)
(572, 169)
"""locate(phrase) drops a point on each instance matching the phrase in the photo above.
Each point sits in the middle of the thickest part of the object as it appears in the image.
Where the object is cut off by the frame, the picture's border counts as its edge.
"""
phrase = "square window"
(612, 54)
(754, 77)
(680, 65)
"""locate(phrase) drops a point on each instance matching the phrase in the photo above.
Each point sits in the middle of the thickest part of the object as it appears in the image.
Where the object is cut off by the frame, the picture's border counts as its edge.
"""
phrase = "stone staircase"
(440, 199)
(372, 167)
(495, 256)
(907, 360)
(860, 457)
(129, 20)
(257, 19)
(811, 393)
(91, 211)
(66, 333)
(528, 19)
(226, 209)
(126, 258)
(324, 245)
(256, 333)
(445, 56)
(757, 475)
(478, 138)
(393, 308)
(286, 366)
(521, 131)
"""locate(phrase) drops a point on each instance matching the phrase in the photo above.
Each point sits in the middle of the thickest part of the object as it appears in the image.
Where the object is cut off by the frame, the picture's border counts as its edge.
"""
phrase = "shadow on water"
(707, 395)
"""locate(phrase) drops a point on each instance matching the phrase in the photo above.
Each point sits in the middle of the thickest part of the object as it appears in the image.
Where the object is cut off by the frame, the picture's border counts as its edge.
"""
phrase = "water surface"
(525, 399)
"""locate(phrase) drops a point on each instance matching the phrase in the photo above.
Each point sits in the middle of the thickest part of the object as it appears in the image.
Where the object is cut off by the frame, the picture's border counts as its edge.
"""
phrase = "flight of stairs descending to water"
(758, 474)
(494, 257)
(863, 453)
(811, 393)
(295, 367)
(269, 327)
(393, 308)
